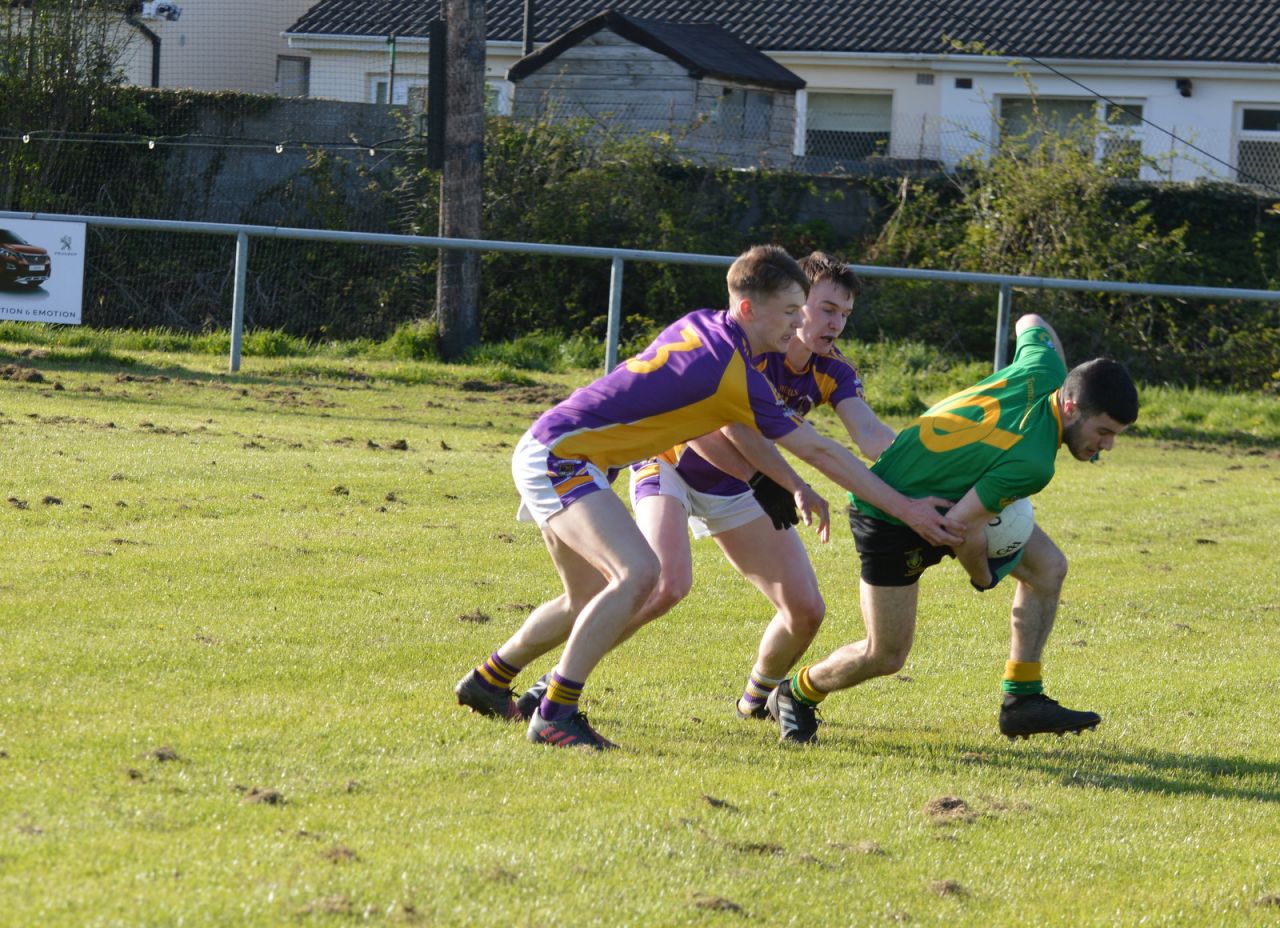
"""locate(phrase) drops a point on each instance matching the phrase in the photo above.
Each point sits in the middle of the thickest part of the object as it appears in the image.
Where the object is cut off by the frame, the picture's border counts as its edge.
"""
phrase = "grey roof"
(704, 49)
(1148, 30)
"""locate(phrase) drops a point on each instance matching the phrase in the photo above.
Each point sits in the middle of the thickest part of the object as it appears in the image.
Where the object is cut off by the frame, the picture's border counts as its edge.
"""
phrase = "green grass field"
(235, 607)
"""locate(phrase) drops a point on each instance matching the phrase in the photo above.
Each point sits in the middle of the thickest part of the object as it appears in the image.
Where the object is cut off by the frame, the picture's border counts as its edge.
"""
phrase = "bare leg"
(599, 530)
(889, 613)
(778, 566)
(1040, 575)
(549, 625)
(665, 525)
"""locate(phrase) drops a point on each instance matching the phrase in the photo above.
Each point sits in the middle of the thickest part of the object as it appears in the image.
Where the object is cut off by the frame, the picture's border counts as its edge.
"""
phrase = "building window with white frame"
(1258, 144)
(293, 76)
(843, 128)
(1113, 128)
(410, 88)
(1027, 120)
(1120, 142)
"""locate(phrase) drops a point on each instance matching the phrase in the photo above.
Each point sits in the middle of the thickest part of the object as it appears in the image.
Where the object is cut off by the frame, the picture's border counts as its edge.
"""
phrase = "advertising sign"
(41, 270)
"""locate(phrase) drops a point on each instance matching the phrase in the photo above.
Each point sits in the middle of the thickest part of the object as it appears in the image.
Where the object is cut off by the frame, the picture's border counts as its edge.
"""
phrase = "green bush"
(413, 341)
(1043, 206)
(564, 183)
(273, 343)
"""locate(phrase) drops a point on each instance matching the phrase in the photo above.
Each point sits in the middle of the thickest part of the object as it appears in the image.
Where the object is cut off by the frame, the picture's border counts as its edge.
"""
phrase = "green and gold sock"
(803, 690)
(1022, 678)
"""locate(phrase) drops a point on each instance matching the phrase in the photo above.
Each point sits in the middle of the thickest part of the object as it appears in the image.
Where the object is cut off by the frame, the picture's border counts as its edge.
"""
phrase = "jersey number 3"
(688, 341)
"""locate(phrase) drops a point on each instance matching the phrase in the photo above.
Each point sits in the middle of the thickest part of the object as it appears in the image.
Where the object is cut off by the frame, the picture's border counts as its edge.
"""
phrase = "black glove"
(999, 568)
(777, 503)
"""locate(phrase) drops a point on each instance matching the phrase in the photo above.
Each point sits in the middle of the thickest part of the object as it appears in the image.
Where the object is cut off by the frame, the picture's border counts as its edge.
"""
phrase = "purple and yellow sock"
(1022, 678)
(561, 699)
(803, 690)
(758, 689)
(496, 674)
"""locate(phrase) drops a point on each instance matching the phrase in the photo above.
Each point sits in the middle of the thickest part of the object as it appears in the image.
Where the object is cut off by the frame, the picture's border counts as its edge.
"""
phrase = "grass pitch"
(235, 607)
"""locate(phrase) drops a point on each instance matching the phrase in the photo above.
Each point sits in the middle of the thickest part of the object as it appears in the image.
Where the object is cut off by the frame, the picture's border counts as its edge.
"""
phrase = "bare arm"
(972, 553)
(763, 455)
(724, 455)
(838, 463)
(865, 428)
(1031, 321)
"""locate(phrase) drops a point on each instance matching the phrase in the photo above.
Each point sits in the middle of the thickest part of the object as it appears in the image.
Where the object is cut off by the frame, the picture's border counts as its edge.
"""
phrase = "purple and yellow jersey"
(829, 379)
(694, 378)
(825, 379)
(999, 437)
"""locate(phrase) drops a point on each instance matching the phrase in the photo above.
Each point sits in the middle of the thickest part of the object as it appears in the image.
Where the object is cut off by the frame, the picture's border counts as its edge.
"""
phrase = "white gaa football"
(1009, 531)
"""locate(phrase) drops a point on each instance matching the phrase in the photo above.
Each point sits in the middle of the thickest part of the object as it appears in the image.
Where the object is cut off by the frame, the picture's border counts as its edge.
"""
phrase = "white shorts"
(547, 484)
(708, 514)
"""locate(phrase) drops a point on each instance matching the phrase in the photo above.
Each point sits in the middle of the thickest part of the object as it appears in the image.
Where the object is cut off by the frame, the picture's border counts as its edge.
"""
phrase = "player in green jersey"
(985, 447)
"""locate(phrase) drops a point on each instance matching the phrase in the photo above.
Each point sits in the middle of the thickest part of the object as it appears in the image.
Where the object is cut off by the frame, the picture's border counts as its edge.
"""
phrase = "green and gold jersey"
(999, 437)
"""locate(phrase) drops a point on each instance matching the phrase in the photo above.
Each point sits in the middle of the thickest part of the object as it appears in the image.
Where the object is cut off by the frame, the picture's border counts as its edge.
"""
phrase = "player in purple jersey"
(694, 378)
(681, 490)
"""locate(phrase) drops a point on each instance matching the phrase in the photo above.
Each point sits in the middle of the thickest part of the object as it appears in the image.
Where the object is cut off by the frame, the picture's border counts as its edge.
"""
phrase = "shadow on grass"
(1201, 438)
(1076, 763)
(295, 373)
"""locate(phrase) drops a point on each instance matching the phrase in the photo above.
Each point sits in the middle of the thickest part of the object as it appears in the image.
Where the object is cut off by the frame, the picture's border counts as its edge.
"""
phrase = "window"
(1258, 145)
(409, 90)
(1120, 146)
(1025, 119)
(742, 114)
(848, 127)
(293, 76)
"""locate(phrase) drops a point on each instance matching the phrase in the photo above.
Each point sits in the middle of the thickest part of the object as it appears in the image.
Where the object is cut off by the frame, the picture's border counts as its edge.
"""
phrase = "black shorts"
(892, 554)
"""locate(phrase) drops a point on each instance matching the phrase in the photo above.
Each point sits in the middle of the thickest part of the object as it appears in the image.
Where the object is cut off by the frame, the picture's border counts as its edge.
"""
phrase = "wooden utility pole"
(462, 178)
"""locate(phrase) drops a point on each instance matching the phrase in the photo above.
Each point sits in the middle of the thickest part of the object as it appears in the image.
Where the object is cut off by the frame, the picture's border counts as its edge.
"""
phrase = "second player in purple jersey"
(803, 384)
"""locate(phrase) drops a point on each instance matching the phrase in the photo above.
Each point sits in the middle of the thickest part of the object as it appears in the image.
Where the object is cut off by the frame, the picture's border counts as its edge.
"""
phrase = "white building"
(215, 45)
(1195, 85)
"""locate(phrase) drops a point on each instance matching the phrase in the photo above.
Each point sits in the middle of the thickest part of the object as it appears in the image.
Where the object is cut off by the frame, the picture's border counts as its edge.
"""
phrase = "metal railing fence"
(1005, 283)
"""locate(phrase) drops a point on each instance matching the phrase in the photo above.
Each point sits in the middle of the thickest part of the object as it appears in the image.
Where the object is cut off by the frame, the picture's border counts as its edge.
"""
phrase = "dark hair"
(1102, 386)
(820, 266)
(763, 270)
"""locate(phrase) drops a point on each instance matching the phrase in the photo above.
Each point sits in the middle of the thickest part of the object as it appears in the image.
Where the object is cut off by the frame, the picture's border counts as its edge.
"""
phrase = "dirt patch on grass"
(19, 373)
(163, 754)
(17, 503)
(948, 810)
(715, 903)
(870, 848)
(476, 616)
(338, 854)
(261, 795)
(948, 888)
(763, 848)
(539, 395)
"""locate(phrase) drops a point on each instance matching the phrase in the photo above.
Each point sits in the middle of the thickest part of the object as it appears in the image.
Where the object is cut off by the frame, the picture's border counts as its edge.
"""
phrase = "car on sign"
(21, 263)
